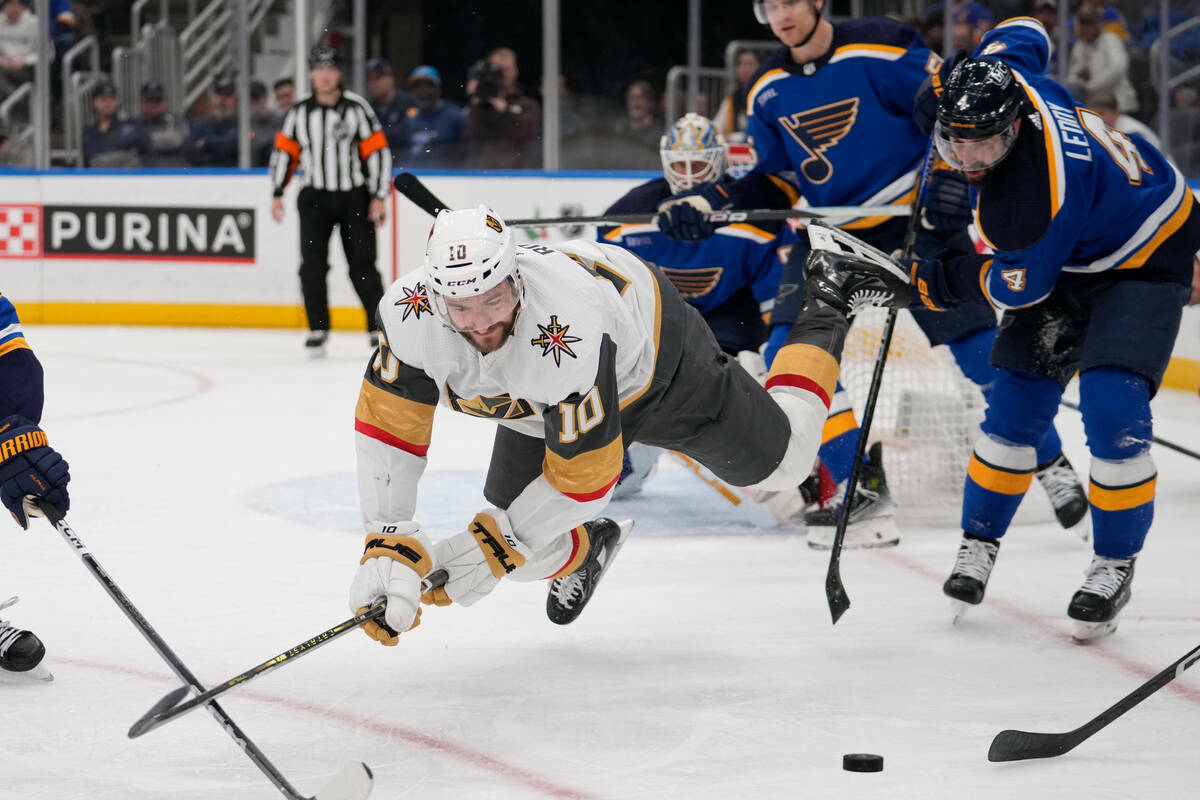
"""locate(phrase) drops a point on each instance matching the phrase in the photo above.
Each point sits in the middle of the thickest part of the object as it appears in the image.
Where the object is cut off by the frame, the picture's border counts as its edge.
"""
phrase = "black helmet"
(981, 99)
(322, 55)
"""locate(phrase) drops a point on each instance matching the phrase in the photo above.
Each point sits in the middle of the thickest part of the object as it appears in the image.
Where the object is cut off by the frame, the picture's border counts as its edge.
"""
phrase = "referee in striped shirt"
(336, 140)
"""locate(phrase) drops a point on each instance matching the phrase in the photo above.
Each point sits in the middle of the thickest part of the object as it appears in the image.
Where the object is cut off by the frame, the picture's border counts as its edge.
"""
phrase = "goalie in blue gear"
(1093, 233)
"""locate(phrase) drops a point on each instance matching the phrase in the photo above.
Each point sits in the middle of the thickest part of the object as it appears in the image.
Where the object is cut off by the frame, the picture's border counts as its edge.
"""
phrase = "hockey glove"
(476, 559)
(30, 468)
(925, 102)
(929, 285)
(685, 218)
(947, 201)
(393, 564)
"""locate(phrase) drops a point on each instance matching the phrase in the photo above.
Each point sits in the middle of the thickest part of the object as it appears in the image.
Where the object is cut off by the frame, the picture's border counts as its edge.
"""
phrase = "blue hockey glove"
(30, 467)
(925, 101)
(947, 201)
(685, 218)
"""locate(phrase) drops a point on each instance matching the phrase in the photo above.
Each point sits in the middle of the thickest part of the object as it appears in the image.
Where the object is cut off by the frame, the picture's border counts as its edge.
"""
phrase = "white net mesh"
(927, 415)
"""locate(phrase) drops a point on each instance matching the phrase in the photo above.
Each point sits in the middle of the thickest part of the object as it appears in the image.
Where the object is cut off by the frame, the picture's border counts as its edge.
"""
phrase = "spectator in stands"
(1105, 104)
(974, 18)
(18, 46)
(285, 95)
(263, 125)
(434, 128)
(214, 138)
(15, 151)
(391, 105)
(1046, 12)
(1099, 62)
(167, 132)
(62, 25)
(731, 116)
(113, 140)
(1110, 17)
(643, 124)
(503, 126)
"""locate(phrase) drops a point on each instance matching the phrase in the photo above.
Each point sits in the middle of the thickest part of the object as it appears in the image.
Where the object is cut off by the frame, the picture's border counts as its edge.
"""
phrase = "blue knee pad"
(1116, 412)
(1021, 407)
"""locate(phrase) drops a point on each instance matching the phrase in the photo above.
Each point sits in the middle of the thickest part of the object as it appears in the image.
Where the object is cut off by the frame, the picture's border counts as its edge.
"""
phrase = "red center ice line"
(474, 758)
(1108, 654)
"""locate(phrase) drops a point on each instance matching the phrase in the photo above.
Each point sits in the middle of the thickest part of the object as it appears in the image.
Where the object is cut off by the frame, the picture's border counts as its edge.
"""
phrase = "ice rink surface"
(213, 479)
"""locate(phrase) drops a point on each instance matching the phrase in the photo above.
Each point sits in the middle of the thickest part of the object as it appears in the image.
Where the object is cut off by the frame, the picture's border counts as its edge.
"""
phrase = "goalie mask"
(977, 116)
(693, 152)
(471, 269)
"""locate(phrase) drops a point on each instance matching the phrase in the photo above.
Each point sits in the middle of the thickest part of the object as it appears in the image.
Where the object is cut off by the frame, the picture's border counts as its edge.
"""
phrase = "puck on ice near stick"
(862, 762)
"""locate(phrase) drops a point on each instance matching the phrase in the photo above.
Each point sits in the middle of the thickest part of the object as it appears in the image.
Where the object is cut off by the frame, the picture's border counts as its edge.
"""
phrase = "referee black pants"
(320, 211)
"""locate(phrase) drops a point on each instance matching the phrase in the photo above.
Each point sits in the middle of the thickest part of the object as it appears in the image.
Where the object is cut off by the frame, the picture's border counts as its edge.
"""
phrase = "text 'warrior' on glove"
(394, 562)
(30, 467)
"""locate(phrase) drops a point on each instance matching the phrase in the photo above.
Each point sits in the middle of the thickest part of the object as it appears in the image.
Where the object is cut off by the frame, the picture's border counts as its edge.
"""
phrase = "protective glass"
(479, 312)
(765, 9)
(973, 155)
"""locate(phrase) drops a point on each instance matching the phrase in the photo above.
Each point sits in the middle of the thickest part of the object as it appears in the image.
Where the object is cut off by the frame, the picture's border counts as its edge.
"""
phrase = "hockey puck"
(862, 762)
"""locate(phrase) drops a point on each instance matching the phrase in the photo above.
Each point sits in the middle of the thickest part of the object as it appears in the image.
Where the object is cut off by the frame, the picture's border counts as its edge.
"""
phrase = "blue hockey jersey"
(707, 273)
(20, 371)
(843, 123)
(1073, 195)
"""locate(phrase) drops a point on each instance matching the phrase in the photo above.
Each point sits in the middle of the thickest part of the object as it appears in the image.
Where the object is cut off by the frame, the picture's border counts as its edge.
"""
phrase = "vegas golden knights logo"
(819, 129)
(499, 407)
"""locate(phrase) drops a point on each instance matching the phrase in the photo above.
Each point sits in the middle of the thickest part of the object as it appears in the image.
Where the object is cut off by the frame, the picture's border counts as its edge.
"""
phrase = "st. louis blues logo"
(819, 129)
(415, 302)
(555, 341)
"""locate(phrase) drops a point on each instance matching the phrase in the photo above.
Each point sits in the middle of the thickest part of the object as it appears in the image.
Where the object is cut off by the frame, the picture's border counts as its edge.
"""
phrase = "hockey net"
(927, 414)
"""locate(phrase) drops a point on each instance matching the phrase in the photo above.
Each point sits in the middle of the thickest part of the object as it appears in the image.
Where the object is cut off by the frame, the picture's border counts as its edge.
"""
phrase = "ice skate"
(1105, 591)
(314, 345)
(568, 595)
(871, 522)
(972, 568)
(849, 274)
(21, 652)
(1066, 494)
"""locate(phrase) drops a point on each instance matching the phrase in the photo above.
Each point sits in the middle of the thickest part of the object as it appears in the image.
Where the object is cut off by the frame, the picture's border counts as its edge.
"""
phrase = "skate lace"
(866, 298)
(8, 635)
(1105, 576)
(567, 590)
(1060, 484)
(975, 559)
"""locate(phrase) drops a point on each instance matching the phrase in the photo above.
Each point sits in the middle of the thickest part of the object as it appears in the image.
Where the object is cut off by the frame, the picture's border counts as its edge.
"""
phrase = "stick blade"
(147, 722)
(1023, 745)
(353, 781)
(835, 592)
(411, 187)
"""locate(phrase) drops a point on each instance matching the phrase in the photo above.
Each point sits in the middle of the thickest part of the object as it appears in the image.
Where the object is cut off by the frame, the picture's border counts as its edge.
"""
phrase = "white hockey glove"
(476, 559)
(393, 564)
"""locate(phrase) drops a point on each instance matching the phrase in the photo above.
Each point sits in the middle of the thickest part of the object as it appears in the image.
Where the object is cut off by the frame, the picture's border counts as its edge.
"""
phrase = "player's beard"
(497, 335)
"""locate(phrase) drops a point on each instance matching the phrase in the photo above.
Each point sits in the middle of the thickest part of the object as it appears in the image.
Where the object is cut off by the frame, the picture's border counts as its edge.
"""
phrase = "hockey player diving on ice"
(575, 350)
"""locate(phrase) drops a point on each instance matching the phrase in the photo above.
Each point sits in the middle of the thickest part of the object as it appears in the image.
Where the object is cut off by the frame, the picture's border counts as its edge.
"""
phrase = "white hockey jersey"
(583, 347)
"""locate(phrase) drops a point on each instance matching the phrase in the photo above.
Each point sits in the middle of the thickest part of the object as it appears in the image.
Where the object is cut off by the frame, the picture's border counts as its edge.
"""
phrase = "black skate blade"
(148, 722)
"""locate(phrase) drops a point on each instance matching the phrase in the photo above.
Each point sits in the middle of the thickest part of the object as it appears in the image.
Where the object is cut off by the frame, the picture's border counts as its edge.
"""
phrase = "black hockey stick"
(415, 190)
(1021, 745)
(170, 707)
(835, 590)
(1157, 440)
(352, 782)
